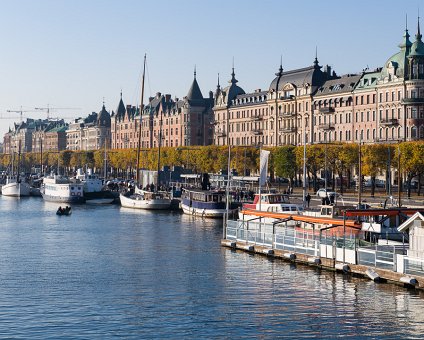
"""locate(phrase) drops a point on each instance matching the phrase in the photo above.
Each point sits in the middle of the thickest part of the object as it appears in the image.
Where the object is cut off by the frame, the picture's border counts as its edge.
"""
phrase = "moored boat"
(146, 200)
(272, 202)
(58, 188)
(15, 187)
(93, 188)
(206, 203)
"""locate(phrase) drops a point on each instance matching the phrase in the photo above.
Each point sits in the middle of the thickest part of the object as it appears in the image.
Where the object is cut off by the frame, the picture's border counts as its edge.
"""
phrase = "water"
(107, 271)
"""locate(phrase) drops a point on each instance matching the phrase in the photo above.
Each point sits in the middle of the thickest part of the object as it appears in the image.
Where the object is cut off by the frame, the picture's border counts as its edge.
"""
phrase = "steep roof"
(194, 93)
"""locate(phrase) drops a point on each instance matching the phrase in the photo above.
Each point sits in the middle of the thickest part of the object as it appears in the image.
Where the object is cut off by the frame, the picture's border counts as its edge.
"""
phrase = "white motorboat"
(146, 200)
(57, 188)
(94, 190)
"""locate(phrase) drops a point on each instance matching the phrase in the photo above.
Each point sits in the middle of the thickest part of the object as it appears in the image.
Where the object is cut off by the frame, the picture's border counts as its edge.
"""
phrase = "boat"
(148, 200)
(206, 203)
(57, 188)
(64, 211)
(271, 202)
(143, 199)
(94, 190)
(15, 185)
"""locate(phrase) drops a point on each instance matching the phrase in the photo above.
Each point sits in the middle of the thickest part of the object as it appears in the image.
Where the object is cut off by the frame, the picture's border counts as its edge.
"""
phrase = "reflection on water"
(109, 271)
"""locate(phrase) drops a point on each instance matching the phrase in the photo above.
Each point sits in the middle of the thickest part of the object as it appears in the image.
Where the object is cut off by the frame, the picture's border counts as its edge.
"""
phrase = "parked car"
(322, 193)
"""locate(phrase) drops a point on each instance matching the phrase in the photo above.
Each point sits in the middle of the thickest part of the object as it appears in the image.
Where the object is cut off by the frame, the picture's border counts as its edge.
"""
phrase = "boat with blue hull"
(206, 203)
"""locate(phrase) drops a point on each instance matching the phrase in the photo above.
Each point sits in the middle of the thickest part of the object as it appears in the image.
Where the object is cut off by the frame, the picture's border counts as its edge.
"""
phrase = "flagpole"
(260, 177)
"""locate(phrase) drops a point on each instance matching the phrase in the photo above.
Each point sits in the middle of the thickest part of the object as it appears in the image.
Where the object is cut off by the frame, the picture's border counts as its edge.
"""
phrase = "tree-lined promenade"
(285, 161)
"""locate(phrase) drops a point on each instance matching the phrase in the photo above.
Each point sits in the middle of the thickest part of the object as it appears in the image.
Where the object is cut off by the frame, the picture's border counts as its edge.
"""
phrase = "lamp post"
(399, 179)
(327, 128)
(359, 174)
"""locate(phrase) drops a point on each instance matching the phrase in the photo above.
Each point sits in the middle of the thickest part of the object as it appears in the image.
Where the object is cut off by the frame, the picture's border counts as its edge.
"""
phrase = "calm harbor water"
(108, 271)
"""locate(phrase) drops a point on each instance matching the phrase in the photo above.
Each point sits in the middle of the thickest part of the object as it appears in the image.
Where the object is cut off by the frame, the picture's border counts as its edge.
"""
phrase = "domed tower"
(397, 65)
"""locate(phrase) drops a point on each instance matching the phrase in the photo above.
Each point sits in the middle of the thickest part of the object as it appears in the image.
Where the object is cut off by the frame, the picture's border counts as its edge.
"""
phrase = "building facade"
(178, 123)
(90, 133)
(28, 136)
(315, 105)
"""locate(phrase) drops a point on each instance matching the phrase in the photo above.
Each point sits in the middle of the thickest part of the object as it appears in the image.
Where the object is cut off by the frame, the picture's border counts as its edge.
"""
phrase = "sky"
(74, 55)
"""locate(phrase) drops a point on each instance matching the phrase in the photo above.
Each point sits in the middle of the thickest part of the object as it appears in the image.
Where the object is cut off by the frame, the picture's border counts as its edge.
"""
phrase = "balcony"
(326, 110)
(326, 127)
(407, 101)
(257, 132)
(287, 114)
(389, 122)
(289, 129)
(221, 134)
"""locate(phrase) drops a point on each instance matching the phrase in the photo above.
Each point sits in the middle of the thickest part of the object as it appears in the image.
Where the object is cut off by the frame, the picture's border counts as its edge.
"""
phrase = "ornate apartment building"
(313, 105)
(181, 123)
(34, 134)
(90, 133)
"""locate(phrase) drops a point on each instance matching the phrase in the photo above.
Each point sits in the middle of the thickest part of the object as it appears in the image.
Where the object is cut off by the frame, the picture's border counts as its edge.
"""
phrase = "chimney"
(167, 97)
(210, 95)
(151, 98)
(158, 94)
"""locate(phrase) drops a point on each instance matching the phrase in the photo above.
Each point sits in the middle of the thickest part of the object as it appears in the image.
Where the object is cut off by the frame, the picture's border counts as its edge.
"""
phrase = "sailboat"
(142, 199)
(16, 186)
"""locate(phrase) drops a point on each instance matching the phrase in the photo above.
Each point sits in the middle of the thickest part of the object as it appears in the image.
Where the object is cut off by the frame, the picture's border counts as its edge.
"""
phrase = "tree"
(374, 160)
(411, 161)
(285, 162)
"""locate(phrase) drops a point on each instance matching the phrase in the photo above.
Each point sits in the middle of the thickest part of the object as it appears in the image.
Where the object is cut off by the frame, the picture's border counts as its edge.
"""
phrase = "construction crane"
(20, 113)
(48, 108)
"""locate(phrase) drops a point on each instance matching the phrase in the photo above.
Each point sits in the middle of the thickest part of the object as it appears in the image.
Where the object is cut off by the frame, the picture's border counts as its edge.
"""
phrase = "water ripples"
(106, 271)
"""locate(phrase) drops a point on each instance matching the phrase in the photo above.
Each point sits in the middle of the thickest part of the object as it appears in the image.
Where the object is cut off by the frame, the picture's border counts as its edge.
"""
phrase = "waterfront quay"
(381, 262)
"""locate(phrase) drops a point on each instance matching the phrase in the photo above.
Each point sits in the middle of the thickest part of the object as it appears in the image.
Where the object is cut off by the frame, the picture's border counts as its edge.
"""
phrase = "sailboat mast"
(19, 163)
(160, 141)
(105, 163)
(141, 122)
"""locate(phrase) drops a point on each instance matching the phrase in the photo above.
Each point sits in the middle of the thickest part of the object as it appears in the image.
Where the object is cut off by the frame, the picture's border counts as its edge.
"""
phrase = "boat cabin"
(204, 195)
(274, 202)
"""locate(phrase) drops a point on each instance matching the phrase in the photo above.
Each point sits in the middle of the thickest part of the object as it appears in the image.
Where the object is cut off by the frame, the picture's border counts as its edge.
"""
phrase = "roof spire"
(194, 71)
(103, 102)
(418, 35)
(406, 43)
(121, 93)
(233, 76)
(218, 82)
(280, 70)
(316, 56)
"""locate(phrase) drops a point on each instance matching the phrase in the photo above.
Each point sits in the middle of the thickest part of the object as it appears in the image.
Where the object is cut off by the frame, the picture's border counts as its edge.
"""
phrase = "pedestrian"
(308, 199)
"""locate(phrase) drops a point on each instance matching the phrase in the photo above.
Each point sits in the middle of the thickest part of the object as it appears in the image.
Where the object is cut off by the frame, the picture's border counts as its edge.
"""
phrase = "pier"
(321, 249)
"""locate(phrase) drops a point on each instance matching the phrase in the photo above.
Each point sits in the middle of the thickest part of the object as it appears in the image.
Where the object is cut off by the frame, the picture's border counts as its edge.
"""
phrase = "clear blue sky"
(74, 53)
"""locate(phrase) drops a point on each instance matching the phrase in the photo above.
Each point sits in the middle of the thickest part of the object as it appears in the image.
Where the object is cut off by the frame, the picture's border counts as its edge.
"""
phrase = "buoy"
(372, 274)
(230, 244)
(269, 252)
(343, 267)
(290, 256)
(409, 280)
(314, 260)
(247, 247)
